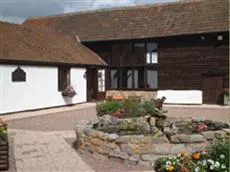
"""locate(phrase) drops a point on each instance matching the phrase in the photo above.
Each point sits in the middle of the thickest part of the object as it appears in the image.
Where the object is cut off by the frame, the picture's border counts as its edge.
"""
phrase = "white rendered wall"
(181, 96)
(40, 89)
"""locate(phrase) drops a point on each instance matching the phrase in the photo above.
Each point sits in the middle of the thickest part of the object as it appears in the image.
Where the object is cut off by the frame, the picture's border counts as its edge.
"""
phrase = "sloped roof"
(23, 43)
(168, 19)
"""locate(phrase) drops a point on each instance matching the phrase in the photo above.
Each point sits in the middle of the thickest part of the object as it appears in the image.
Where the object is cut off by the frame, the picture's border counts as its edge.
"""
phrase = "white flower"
(197, 169)
(199, 162)
(168, 163)
(223, 166)
(210, 161)
(222, 156)
(204, 162)
(217, 164)
(212, 167)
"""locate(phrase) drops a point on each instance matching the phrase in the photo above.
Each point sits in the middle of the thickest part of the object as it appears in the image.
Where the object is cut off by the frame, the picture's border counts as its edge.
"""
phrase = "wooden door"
(92, 84)
(212, 90)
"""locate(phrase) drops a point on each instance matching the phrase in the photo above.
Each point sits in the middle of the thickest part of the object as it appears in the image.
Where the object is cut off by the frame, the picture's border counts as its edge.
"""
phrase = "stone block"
(226, 130)
(127, 148)
(112, 137)
(102, 149)
(122, 139)
(177, 148)
(160, 140)
(220, 134)
(99, 156)
(152, 121)
(162, 149)
(149, 157)
(198, 147)
(209, 135)
(136, 138)
(118, 154)
(134, 158)
(183, 138)
(144, 163)
(95, 141)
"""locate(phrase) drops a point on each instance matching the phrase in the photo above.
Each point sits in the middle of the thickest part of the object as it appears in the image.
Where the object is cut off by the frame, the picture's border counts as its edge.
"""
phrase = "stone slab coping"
(42, 112)
(204, 106)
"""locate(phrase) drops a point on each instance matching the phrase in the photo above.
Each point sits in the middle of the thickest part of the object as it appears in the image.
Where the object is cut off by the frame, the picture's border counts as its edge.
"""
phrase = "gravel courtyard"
(47, 136)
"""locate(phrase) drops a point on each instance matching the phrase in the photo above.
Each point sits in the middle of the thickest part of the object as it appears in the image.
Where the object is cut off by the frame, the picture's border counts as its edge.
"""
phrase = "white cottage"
(37, 65)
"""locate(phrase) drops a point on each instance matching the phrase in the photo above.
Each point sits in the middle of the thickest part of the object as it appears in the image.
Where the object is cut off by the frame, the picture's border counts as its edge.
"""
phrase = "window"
(63, 78)
(152, 79)
(139, 45)
(151, 54)
(114, 78)
(18, 75)
(101, 80)
(127, 78)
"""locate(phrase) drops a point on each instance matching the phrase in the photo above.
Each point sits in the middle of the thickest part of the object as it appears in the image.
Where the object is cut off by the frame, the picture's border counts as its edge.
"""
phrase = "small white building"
(37, 65)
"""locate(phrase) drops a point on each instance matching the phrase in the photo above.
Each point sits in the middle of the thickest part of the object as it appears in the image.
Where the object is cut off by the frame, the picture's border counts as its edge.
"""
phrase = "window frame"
(63, 77)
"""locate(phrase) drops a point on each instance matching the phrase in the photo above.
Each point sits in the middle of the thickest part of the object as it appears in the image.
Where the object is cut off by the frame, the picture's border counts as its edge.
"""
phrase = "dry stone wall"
(140, 149)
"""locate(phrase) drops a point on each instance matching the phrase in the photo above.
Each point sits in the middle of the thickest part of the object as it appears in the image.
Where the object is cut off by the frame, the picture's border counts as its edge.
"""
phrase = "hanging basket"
(69, 92)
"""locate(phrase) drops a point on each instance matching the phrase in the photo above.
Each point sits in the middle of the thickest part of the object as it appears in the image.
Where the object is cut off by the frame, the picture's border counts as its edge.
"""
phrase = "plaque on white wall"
(18, 75)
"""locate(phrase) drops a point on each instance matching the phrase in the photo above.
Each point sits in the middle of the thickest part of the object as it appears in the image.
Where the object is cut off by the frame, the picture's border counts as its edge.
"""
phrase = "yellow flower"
(170, 168)
(185, 154)
(196, 156)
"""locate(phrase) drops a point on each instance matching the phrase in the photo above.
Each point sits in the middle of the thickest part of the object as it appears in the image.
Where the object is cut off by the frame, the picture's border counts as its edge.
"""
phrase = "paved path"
(37, 151)
(37, 139)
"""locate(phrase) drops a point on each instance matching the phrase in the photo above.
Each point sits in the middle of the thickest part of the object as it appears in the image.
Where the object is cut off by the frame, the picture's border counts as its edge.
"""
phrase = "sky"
(16, 11)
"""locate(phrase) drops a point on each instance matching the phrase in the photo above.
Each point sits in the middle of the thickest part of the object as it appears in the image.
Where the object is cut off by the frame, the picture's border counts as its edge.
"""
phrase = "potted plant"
(69, 92)
(4, 146)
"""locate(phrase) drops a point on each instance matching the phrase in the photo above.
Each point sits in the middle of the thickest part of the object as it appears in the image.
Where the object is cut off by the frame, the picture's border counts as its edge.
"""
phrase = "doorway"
(95, 84)
(213, 90)
(91, 84)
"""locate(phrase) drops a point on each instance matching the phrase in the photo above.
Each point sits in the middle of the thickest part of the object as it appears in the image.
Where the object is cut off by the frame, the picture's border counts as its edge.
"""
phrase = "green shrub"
(137, 110)
(149, 107)
(219, 152)
(109, 107)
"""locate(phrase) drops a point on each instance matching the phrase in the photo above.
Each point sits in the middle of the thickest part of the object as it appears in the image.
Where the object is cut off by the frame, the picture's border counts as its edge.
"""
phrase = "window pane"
(135, 78)
(151, 54)
(129, 79)
(114, 78)
(148, 58)
(152, 80)
(154, 57)
(141, 45)
(151, 47)
(101, 80)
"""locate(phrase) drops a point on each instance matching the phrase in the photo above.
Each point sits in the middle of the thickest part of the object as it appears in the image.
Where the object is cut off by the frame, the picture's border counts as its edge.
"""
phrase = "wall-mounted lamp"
(85, 75)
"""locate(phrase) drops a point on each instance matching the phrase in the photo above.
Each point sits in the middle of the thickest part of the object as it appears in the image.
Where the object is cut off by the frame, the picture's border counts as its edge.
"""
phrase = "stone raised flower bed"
(142, 140)
(4, 147)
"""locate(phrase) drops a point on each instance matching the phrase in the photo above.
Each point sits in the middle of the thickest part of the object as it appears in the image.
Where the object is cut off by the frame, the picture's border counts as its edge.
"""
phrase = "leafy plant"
(214, 159)
(137, 110)
(3, 130)
(109, 107)
(149, 107)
